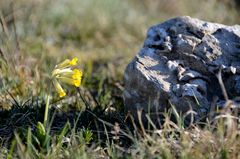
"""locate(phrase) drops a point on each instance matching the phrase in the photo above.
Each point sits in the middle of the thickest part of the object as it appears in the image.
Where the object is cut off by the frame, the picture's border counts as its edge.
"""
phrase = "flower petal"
(77, 74)
(74, 61)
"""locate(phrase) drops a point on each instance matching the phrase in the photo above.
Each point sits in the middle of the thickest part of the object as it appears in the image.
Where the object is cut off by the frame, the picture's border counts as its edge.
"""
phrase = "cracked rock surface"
(177, 66)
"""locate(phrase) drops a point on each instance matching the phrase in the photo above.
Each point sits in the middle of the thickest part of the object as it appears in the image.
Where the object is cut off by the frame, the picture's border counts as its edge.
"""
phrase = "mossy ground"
(105, 35)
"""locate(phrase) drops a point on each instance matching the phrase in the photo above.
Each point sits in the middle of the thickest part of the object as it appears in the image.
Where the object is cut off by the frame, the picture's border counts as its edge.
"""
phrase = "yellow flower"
(77, 74)
(74, 61)
(67, 63)
(59, 88)
(64, 73)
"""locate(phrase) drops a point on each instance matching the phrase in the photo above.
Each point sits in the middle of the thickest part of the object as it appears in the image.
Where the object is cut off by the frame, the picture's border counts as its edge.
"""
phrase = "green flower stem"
(46, 112)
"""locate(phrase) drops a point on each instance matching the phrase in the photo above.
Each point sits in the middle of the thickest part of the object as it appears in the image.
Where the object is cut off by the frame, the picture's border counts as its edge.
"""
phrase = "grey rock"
(237, 84)
(178, 64)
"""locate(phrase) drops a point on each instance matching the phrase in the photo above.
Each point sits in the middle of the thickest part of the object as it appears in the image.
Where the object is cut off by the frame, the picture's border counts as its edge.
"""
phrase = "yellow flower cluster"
(64, 73)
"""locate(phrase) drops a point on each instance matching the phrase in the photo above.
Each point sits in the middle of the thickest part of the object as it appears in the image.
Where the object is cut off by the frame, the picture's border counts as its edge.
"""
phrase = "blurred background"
(104, 34)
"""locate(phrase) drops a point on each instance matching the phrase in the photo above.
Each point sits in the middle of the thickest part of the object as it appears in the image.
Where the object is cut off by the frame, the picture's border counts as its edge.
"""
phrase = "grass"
(105, 35)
